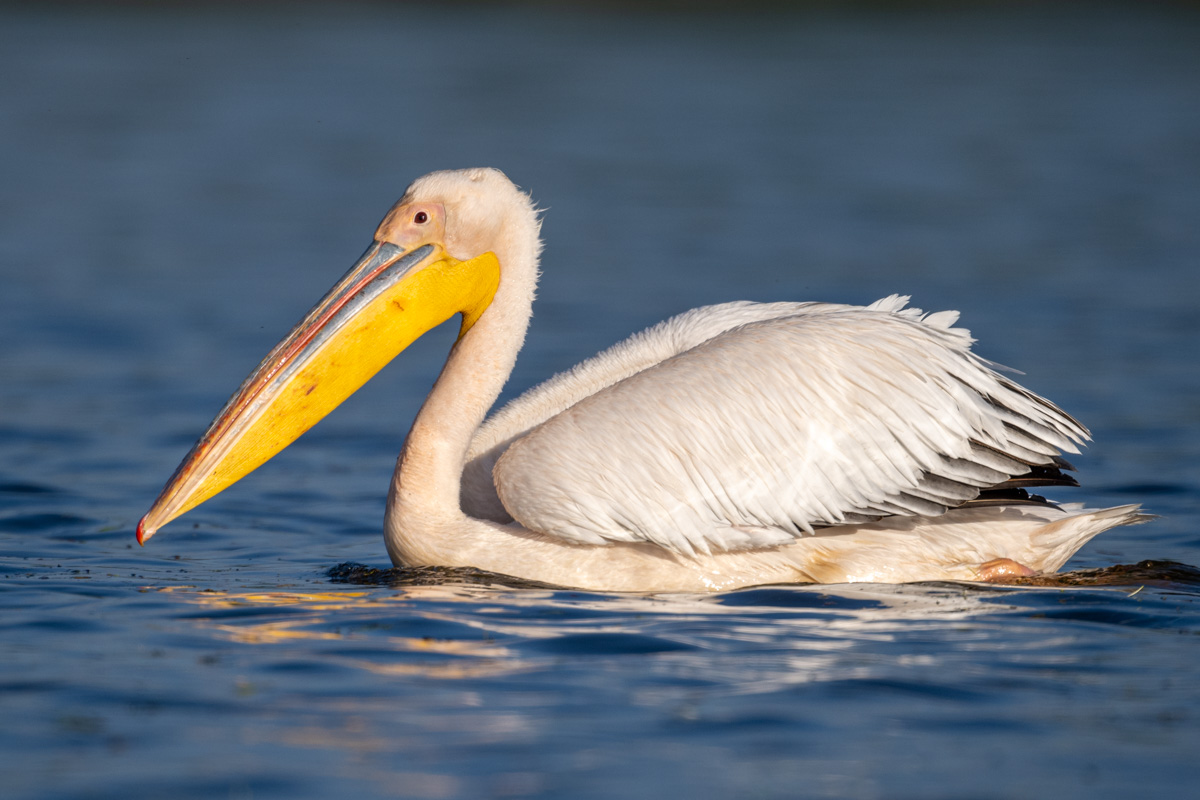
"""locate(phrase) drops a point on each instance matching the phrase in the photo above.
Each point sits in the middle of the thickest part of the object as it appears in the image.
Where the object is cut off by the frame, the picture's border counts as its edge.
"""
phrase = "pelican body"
(729, 446)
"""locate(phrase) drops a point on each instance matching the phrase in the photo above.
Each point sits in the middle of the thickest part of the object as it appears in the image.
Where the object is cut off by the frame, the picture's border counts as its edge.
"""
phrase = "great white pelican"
(732, 445)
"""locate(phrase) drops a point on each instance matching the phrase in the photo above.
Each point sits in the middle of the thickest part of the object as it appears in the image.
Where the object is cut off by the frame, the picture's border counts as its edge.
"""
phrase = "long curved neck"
(426, 485)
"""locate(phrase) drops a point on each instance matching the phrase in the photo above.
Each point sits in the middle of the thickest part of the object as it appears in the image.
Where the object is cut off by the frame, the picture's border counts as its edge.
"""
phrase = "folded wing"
(776, 428)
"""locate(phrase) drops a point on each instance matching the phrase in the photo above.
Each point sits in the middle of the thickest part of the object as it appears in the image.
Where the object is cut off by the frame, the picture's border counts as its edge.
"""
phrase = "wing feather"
(771, 429)
(640, 351)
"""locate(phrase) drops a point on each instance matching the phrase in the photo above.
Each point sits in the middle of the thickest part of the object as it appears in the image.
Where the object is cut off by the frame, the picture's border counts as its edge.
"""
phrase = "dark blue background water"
(178, 186)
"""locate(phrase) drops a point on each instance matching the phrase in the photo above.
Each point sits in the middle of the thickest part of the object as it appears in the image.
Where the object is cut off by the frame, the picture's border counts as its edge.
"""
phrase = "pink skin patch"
(999, 570)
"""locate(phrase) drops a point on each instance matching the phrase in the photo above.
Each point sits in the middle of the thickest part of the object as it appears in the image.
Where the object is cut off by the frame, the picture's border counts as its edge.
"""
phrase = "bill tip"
(143, 533)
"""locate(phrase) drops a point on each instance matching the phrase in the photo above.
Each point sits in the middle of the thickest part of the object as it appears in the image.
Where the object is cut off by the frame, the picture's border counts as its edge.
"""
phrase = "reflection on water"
(781, 635)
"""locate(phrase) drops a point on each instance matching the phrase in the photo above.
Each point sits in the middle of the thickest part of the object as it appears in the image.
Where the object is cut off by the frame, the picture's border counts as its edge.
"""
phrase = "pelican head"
(436, 253)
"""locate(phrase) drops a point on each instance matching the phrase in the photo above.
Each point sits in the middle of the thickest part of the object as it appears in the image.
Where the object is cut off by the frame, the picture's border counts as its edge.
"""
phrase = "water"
(177, 187)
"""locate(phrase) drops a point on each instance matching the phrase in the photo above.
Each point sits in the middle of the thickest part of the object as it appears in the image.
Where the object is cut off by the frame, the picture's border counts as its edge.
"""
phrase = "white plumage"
(748, 442)
(718, 448)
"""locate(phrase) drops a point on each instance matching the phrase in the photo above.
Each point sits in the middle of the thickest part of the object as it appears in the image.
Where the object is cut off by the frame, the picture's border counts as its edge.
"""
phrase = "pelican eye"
(421, 218)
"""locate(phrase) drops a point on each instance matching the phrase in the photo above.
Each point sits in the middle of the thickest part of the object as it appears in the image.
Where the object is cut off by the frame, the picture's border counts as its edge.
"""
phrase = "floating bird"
(732, 445)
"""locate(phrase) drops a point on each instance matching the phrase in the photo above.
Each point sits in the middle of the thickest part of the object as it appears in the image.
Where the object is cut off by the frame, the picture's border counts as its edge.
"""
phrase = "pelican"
(733, 445)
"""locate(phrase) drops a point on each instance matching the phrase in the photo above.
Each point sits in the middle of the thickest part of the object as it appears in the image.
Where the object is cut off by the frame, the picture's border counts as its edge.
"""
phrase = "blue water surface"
(178, 185)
